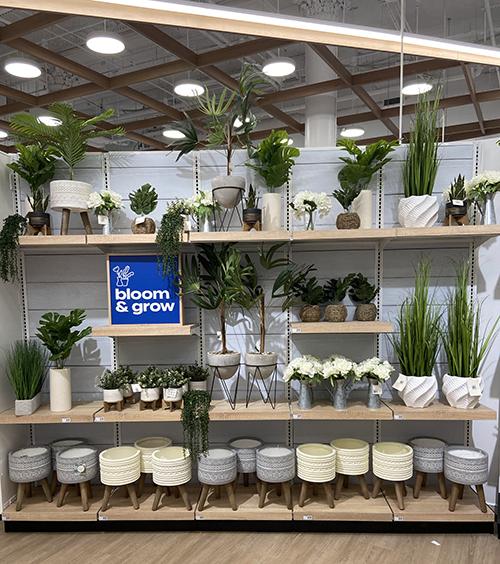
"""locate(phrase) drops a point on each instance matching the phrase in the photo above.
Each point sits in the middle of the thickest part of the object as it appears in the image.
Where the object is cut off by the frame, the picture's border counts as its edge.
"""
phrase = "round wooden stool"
(29, 465)
(171, 469)
(217, 467)
(276, 466)
(392, 462)
(120, 466)
(77, 465)
(315, 466)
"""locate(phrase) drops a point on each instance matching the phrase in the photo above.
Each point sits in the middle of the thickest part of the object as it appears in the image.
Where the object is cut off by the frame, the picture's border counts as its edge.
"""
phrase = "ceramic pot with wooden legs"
(316, 465)
(246, 456)
(29, 465)
(58, 446)
(392, 462)
(68, 196)
(120, 466)
(77, 465)
(428, 458)
(171, 469)
(147, 447)
(353, 459)
(275, 465)
(217, 467)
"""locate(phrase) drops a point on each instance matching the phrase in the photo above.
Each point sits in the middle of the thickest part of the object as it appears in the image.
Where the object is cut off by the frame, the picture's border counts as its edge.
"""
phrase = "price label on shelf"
(307, 517)
(99, 418)
(65, 419)
(296, 330)
(103, 517)
(398, 416)
(399, 518)
(297, 416)
(199, 517)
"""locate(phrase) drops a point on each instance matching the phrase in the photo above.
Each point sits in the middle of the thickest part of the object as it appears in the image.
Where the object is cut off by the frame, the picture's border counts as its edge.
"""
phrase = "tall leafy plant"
(421, 164)
(26, 366)
(68, 141)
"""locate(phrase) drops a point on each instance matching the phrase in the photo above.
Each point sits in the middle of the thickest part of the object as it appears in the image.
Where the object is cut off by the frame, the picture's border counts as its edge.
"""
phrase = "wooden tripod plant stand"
(108, 490)
(343, 481)
(284, 487)
(179, 490)
(24, 489)
(457, 492)
(399, 487)
(421, 479)
(230, 490)
(85, 491)
(65, 217)
(327, 487)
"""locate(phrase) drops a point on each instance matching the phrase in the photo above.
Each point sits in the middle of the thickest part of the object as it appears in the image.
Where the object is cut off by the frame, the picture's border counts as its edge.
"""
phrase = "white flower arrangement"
(487, 182)
(306, 368)
(202, 205)
(104, 202)
(307, 202)
(338, 366)
(374, 368)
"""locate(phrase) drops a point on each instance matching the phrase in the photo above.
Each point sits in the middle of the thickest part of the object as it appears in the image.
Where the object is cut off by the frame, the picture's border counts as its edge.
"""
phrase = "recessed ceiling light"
(189, 88)
(416, 88)
(50, 121)
(352, 132)
(173, 134)
(278, 67)
(105, 42)
(22, 68)
(3, 134)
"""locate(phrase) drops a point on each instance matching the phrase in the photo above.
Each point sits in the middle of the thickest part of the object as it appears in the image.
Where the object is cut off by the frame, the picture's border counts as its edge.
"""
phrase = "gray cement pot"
(217, 467)
(27, 407)
(77, 465)
(428, 454)
(226, 365)
(275, 464)
(466, 465)
(228, 190)
(262, 365)
(29, 464)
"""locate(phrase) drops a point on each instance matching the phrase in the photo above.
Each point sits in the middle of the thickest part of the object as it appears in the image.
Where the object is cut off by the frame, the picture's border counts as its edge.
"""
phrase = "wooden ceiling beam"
(23, 27)
(472, 91)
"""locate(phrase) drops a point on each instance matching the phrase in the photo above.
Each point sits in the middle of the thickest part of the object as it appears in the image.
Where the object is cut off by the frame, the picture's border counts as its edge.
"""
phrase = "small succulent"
(251, 199)
(456, 191)
(110, 380)
(175, 377)
(335, 289)
(361, 291)
(144, 200)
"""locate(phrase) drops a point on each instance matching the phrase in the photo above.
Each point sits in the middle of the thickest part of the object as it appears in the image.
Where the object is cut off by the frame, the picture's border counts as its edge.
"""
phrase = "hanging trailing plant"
(169, 236)
(13, 227)
(195, 422)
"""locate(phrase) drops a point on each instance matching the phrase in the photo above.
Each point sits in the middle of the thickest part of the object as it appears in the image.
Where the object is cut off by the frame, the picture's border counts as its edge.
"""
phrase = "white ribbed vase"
(418, 391)
(418, 211)
(457, 393)
(147, 447)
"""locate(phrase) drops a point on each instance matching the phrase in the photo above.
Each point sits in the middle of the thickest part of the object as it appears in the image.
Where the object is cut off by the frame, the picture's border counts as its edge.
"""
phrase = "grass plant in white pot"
(417, 343)
(55, 332)
(465, 345)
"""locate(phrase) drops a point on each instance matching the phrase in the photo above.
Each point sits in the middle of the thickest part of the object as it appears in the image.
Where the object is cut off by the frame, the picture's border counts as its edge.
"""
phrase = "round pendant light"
(352, 132)
(173, 134)
(416, 88)
(22, 68)
(50, 121)
(3, 134)
(105, 42)
(189, 88)
(279, 67)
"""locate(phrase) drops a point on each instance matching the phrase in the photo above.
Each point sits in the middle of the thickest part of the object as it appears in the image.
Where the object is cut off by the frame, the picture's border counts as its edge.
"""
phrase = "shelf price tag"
(103, 517)
(199, 517)
(474, 386)
(399, 518)
(307, 517)
(99, 418)
(297, 416)
(400, 383)
(296, 330)
(398, 416)
(65, 419)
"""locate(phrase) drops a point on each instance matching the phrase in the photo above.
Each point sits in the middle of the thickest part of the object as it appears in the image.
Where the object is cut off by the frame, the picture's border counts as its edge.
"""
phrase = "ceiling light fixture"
(416, 88)
(352, 132)
(50, 121)
(3, 134)
(189, 88)
(278, 67)
(173, 134)
(22, 68)
(105, 42)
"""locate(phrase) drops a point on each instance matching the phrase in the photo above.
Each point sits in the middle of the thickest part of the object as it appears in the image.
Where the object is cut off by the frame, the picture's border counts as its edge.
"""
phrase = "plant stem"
(222, 316)
(262, 321)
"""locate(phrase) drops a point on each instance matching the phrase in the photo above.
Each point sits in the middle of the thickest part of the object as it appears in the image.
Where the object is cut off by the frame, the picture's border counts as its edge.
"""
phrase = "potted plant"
(456, 202)
(13, 227)
(198, 376)
(306, 203)
(111, 384)
(169, 236)
(55, 332)
(355, 177)
(334, 292)
(36, 165)
(216, 279)
(481, 190)
(68, 141)
(362, 294)
(26, 367)
(341, 374)
(150, 380)
(252, 215)
(143, 201)
(203, 207)
(376, 371)
(417, 344)
(173, 381)
(307, 370)
(307, 291)
(104, 203)
(228, 121)
(128, 378)
(419, 208)
(195, 422)
(465, 345)
(273, 160)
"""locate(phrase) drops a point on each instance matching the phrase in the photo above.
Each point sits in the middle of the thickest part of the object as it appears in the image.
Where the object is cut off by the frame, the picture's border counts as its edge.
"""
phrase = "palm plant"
(26, 366)
(68, 141)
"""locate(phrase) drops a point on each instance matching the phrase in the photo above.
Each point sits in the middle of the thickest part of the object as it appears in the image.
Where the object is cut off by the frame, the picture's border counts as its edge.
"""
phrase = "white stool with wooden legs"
(120, 466)
(392, 462)
(316, 467)
(353, 459)
(171, 469)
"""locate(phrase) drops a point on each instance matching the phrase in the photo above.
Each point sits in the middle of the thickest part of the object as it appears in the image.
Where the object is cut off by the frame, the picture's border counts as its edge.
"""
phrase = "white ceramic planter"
(171, 466)
(228, 190)
(457, 391)
(150, 394)
(260, 365)
(147, 447)
(69, 194)
(60, 389)
(199, 385)
(112, 396)
(363, 206)
(418, 211)
(271, 211)
(417, 391)
(120, 465)
(27, 407)
(226, 364)
(173, 394)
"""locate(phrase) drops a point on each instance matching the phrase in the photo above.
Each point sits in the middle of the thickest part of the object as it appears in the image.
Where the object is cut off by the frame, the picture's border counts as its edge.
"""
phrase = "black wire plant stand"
(226, 391)
(269, 393)
(224, 218)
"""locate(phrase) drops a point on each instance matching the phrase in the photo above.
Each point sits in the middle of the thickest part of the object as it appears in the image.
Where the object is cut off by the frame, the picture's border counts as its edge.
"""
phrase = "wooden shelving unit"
(347, 327)
(239, 237)
(123, 240)
(256, 411)
(160, 330)
(80, 413)
(52, 242)
(439, 411)
(343, 235)
(324, 411)
(132, 414)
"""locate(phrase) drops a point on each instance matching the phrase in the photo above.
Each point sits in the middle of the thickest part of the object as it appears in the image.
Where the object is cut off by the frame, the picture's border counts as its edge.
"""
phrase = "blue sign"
(138, 292)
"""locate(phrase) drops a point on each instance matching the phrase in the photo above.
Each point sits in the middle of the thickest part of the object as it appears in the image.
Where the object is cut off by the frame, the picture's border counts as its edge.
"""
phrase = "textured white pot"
(418, 391)
(418, 211)
(199, 385)
(271, 211)
(262, 365)
(457, 391)
(69, 194)
(363, 206)
(27, 407)
(227, 364)
(172, 394)
(112, 396)
(150, 394)
(60, 389)
(228, 190)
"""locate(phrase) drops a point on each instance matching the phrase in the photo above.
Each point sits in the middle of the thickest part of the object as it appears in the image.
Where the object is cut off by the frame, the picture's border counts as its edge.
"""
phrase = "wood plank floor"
(246, 548)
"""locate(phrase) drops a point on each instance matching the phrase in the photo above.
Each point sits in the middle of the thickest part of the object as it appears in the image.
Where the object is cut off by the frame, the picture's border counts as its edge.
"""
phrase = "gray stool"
(78, 465)
(29, 465)
(275, 465)
(217, 467)
(246, 456)
(428, 458)
(58, 446)
(466, 466)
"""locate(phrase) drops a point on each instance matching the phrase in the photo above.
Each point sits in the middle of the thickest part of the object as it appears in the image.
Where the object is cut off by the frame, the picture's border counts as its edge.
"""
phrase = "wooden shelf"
(443, 233)
(132, 414)
(51, 241)
(159, 330)
(80, 413)
(355, 411)
(440, 412)
(239, 237)
(351, 327)
(256, 411)
(121, 240)
(343, 235)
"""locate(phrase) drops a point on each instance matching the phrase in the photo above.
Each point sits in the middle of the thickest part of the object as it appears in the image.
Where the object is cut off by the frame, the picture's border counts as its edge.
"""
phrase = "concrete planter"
(228, 190)
(150, 394)
(226, 364)
(275, 464)
(428, 454)
(201, 385)
(27, 407)
(29, 464)
(217, 467)
(76, 465)
(112, 396)
(466, 465)
(260, 365)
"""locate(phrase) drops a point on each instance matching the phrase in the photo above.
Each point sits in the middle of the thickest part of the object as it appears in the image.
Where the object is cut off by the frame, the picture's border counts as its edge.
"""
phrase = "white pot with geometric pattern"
(462, 393)
(69, 194)
(416, 391)
(418, 211)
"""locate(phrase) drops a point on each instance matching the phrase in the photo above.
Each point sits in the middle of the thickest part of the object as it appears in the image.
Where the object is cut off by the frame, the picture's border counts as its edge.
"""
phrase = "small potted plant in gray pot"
(150, 381)
(173, 382)
(26, 366)
(143, 202)
(310, 294)
(252, 215)
(198, 376)
(456, 202)
(111, 384)
(335, 291)
(362, 294)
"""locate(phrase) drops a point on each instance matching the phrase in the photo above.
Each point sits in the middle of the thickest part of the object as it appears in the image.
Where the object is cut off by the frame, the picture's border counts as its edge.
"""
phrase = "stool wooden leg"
(246, 480)
(84, 495)
(287, 491)
(132, 495)
(105, 499)
(442, 485)
(156, 501)
(403, 488)
(203, 497)
(21, 488)
(217, 492)
(419, 480)
(329, 495)
(257, 484)
(461, 491)
(262, 494)
(185, 497)
(46, 489)
(482, 500)
(86, 222)
(339, 485)
(176, 493)
(398, 486)
(53, 482)
(346, 482)
(231, 495)
(303, 494)
(278, 490)
(455, 490)
(62, 494)
(140, 484)
(424, 483)
(66, 214)
(29, 490)
(377, 486)
(90, 491)
(364, 486)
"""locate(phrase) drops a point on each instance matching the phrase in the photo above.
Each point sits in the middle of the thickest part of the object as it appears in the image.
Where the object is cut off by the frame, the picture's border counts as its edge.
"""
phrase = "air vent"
(391, 101)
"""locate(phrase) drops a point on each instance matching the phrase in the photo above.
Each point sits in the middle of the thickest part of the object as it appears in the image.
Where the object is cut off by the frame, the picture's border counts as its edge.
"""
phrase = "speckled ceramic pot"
(63, 444)
(76, 465)
(29, 464)
(275, 464)
(428, 454)
(466, 465)
(217, 467)
(246, 453)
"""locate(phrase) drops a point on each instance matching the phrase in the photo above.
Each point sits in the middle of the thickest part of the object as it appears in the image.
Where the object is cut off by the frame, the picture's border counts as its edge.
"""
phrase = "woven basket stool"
(316, 465)
(120, 466)
(353, 459)
(217, 467)
(29, 465)
(147, 446)
(428, 458)
(246, 457)
(276, 465)
(58, 446)
(392, 462)
(171, 469)
(77, 465)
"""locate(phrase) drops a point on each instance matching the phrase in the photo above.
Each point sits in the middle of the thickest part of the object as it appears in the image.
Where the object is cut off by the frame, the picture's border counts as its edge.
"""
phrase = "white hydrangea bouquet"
(374, 369)
(202, 205)
(306, 203)
(104, 202)
(480, 186)
(337, 367)
(306, 369)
